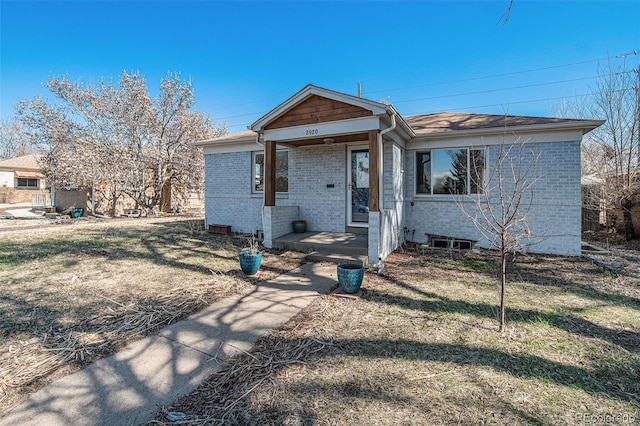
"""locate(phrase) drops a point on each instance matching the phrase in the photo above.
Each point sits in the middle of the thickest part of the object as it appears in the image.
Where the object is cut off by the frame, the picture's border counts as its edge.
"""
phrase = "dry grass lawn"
(70, 294)
(421, 347)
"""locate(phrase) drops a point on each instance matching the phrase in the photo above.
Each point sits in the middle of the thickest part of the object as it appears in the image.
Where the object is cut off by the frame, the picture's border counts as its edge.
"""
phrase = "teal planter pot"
(350, 277)
(299, 226)
(76, 213)
(250, 263)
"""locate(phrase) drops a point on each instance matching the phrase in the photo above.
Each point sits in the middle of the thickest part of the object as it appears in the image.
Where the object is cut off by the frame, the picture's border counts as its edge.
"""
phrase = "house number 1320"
(311, 132)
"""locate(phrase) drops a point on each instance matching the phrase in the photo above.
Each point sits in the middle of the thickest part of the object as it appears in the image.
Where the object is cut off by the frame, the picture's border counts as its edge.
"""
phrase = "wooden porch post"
(374, 192)
(269, 173)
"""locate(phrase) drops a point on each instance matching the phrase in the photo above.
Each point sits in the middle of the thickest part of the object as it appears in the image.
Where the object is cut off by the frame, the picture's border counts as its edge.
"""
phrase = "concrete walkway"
(129, 387)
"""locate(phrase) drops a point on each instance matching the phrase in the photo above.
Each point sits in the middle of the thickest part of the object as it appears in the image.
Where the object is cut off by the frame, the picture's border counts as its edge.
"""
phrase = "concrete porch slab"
(332, 242)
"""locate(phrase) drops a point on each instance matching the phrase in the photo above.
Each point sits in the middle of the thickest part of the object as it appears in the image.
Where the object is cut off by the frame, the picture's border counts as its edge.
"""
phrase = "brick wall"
(278, 222)
(229, 199)
(228, 196)
(311, 169)
(554, 217)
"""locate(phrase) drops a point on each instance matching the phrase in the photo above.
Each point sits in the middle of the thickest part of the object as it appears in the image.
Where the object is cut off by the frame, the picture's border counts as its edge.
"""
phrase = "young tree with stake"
(505, 195)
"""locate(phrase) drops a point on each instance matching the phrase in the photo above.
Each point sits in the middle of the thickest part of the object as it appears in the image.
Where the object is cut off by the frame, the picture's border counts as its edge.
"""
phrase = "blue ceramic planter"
(299, 226)
(250, 263)
(350, 277)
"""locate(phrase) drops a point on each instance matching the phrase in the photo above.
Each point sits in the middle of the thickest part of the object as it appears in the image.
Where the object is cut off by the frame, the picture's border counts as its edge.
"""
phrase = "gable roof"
(25, 162)
(376, 108)
(443, 124)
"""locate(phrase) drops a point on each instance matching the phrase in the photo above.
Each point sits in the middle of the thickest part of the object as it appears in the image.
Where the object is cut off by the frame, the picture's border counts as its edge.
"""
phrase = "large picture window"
(282, 171)
(450, 171)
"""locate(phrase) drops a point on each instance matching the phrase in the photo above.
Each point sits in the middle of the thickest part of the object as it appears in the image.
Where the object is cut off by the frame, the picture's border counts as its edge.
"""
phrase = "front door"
(358, 192)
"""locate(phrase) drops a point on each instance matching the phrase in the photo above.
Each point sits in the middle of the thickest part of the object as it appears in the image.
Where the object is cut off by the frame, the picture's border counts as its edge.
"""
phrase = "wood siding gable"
(317, 109)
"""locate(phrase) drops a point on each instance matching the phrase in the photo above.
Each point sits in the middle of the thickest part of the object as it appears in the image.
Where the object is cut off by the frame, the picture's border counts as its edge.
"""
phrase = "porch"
(327, 246)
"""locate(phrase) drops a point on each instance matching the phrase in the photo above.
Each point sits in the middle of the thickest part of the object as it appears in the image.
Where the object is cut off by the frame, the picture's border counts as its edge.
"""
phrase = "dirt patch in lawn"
(421, 346)
(71, 294)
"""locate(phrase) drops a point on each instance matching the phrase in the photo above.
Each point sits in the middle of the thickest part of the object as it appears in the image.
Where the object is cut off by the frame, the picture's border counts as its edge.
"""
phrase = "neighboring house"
(344, 164)
(21, 181)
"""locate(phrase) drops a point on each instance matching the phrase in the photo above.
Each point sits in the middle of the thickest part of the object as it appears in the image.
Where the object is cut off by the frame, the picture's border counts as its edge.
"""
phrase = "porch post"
(269, 173)
(374, 182)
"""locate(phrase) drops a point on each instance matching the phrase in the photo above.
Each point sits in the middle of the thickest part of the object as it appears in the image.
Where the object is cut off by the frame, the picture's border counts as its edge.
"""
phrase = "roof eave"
(220, 141)
(584, 125)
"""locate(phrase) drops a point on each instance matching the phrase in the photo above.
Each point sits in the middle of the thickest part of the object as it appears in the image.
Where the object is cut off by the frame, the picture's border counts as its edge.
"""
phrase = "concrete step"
(358, 230)
(337, 258)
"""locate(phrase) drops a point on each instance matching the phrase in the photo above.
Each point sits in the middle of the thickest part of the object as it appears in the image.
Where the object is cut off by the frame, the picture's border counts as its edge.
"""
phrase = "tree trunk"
(629, 231)
(114, 201)
(503, 281)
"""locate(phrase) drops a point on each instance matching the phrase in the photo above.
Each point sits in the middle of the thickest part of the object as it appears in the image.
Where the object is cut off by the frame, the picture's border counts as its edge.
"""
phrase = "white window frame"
(418, 152)
(253, 171)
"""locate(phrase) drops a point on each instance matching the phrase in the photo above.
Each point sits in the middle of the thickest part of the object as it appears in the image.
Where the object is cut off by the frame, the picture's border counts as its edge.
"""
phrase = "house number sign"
(311, 132)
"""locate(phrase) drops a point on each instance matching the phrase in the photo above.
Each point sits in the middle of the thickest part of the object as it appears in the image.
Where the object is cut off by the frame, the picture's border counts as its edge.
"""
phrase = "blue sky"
(247, 57)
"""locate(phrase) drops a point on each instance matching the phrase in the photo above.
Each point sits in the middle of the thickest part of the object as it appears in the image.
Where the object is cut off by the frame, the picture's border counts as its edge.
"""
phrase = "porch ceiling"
(356, 137)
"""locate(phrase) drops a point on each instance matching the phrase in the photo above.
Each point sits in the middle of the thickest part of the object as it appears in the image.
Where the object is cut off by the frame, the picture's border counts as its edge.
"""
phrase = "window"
(27, 183)
(450, 171)
(282, 171)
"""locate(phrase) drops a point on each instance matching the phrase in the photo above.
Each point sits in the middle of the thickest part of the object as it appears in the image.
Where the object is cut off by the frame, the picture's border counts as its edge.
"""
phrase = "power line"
(623, 55)
(505, 88)
(455, 94)
(499, 75)
(246, 103)
(501, 104)
(479, 106)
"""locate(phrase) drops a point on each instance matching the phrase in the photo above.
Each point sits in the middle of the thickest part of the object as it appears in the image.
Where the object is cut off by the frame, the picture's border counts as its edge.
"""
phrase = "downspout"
(264, 155)
(381, 183)
(380, 159)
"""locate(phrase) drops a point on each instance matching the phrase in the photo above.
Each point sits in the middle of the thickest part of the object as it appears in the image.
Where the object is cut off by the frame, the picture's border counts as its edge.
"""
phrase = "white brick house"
(344, 163)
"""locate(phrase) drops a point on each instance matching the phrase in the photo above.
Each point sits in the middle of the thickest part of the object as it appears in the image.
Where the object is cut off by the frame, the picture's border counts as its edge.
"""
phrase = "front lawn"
(70, 294)
(421, 347)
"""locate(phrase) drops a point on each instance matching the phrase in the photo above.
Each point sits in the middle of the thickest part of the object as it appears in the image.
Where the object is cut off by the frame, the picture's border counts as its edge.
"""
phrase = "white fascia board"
(396, 138)
(232, 147)
(496, 139)
(375, 107)
(331, 128)
(216, 142)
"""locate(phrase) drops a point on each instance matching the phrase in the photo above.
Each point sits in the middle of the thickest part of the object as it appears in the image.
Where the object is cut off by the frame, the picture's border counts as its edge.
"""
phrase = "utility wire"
(484, 77)
(502, 104)
(478, 106)
(507, 88)
(623, 55)
(460, 94)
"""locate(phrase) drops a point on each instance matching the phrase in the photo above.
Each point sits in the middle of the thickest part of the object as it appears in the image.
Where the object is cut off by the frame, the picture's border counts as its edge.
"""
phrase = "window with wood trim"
(282, 171)
(458, 171)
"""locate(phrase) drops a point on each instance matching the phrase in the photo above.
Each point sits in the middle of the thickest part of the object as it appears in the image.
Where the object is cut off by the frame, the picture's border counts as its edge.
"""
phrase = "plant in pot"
(250, 257)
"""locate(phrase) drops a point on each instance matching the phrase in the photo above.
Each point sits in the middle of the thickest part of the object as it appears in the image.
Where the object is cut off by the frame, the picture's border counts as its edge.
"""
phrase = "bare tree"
(119, 138)
(14, 141)
(610, 152)
(505, 194)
